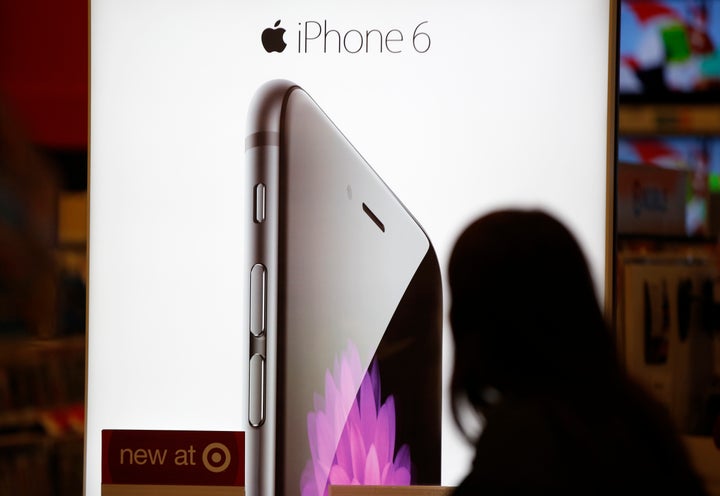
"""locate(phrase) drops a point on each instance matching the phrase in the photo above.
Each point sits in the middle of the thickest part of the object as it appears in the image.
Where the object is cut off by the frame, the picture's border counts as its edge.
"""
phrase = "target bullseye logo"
(216, 457)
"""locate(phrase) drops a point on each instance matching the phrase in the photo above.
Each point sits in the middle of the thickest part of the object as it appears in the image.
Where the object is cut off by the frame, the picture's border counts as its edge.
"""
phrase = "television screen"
(714, 164)
(669, 51)
(700, 156)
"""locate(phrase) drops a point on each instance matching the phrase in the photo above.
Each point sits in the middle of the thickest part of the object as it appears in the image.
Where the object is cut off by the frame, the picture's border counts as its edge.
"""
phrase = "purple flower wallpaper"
(352, 432)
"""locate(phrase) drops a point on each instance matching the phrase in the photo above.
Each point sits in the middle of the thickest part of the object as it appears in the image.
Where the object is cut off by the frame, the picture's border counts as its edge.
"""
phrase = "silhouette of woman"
(535, 361)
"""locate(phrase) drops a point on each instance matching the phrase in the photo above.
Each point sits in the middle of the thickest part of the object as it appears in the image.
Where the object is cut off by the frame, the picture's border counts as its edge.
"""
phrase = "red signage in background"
(173, 458)
(44, 69)
(652, 201)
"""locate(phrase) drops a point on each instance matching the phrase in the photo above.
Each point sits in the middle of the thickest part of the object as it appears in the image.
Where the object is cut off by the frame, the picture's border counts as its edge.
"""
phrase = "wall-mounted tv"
(699, 156)
(669, 51)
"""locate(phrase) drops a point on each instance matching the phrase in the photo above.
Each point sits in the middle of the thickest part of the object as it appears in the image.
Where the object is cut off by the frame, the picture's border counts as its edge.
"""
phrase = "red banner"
(198, 458)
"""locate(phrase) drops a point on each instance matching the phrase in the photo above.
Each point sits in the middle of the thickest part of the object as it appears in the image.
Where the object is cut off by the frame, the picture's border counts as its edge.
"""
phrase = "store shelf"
(41, 415)
(38, 379)
(669, 119)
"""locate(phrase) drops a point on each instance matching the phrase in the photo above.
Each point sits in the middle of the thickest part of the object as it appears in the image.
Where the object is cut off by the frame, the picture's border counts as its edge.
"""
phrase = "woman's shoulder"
(550, 446)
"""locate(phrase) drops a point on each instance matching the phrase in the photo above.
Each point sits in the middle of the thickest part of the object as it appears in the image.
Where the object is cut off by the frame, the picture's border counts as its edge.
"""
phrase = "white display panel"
(507, 107)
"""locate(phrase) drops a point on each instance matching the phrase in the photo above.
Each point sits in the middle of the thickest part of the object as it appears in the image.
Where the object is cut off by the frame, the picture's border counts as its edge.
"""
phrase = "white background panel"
(507, 108)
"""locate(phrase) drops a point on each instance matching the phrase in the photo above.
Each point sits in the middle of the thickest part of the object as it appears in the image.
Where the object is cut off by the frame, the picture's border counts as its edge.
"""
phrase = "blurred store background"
(43, 182)
(667, 297)
(668, 213)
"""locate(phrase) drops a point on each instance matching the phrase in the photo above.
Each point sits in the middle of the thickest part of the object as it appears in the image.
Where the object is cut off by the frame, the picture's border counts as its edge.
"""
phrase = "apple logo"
(272, 39)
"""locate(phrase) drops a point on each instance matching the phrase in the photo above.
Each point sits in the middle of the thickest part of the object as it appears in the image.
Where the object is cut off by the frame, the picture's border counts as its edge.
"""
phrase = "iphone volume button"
(258, 300)
(256, 403)
(257, 325)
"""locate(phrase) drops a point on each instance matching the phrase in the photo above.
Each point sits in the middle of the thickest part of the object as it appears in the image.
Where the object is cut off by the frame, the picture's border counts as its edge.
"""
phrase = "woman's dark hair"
(527, 325)
(524, 315)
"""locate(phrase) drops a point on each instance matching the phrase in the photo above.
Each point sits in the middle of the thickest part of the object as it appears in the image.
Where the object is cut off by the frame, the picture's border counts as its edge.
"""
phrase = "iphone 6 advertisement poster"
(274, 193)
